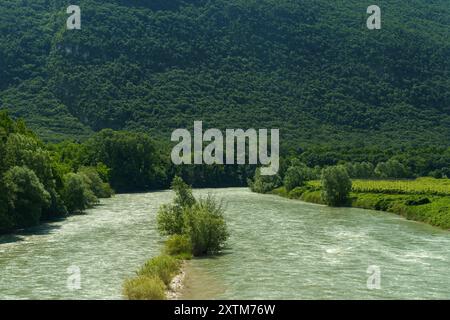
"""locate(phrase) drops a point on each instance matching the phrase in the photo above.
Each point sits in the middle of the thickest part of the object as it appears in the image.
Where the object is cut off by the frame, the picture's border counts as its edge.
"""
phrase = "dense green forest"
(310, 68)
(43, 181)
(40, 182)
(101, 102)
(35, 186)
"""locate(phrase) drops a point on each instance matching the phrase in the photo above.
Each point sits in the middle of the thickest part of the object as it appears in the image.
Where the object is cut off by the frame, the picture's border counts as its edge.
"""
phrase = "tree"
(31, 178)
(26, 150)
(76, 193)
(205, 225)
(391, 169)
(336, 185)
(296, 176)
(6, 218)
(92, 178)
(170, 216)
(360, 170)
(132, 158)
(264, 184)
(23, 150)
(202, 221)
(183, 193)
(26, 196)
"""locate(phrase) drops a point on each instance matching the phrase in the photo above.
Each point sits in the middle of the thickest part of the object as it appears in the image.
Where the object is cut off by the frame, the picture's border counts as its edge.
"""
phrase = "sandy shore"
(177, 284)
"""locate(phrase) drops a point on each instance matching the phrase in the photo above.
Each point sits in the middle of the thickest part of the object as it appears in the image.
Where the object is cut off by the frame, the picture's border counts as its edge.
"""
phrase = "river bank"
(421, 207)
(176, 286)
(194, 227)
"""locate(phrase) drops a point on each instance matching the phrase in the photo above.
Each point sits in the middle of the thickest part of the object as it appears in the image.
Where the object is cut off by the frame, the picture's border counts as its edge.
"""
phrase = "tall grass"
(179, 246)
(144, 288)
(195, 227)
(165, 267)
(424, 199)
(435, 210)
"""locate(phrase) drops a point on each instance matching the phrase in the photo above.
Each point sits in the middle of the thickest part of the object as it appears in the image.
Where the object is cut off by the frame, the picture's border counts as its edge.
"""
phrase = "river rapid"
(278, 249)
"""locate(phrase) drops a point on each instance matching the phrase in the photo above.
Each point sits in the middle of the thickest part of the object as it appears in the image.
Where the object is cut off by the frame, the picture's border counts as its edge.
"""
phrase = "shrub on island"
(179, 246)
(164, 267)
(201, 221)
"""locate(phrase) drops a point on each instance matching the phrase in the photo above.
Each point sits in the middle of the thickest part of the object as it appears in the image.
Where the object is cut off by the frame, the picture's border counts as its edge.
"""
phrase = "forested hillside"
(310, 68)
(41, 182)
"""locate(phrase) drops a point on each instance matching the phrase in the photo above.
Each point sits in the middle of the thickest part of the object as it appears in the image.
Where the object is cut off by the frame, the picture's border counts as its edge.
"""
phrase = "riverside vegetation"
(424, 199)
(194, 228)
(36, 186)
(230, 63)
(44, 181)
(233, 64)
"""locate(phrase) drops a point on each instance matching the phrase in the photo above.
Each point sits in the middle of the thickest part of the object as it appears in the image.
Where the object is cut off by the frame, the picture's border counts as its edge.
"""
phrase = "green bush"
(170, 216)
(336, 186)
(179, 246)
(165, 267)
(435, 210)
(296, 176)
(264, 184)
(144, 288)
(206, 227)
(297, 192)
(170, 219)
(200, 221)
(417, 202)
(281, 191)
(392, 169)
(76, 194)
(26, 197)
(313, 197)
(92, 178)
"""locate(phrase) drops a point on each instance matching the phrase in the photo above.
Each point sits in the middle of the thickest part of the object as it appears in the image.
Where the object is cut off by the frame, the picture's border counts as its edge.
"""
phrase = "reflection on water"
(279, 249)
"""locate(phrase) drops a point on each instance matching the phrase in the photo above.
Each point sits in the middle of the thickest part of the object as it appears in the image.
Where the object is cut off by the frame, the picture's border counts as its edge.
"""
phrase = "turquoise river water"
(278, 249)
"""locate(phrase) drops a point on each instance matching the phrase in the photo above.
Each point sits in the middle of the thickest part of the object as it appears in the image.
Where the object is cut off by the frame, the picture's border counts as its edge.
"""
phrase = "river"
(278, 249)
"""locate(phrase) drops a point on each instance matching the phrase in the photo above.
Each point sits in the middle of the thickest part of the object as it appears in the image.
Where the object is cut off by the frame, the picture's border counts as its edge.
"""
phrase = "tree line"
(43, 181)
(295, 174)
(35, 186)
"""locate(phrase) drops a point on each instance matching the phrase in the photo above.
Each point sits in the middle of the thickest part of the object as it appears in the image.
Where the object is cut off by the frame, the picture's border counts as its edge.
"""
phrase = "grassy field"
(424, 199)
(423, 186)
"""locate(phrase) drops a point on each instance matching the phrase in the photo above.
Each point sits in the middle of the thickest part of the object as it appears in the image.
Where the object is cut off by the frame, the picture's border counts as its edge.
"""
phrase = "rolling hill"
(310, 68)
